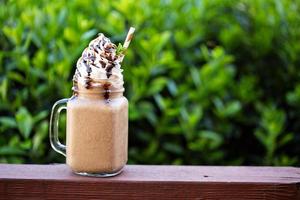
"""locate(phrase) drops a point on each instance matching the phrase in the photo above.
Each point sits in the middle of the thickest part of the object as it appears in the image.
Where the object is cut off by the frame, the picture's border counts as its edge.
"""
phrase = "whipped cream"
(99, 64)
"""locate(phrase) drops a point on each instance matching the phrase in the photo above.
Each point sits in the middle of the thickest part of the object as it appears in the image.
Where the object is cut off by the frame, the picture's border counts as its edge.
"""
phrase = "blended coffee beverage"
(97, 113)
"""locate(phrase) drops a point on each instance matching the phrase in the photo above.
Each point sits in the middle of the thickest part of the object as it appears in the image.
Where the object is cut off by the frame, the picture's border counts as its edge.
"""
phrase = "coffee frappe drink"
(97, 113)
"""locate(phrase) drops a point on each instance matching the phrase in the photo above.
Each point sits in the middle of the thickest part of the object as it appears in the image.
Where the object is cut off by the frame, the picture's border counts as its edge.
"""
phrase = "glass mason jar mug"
(97, 131)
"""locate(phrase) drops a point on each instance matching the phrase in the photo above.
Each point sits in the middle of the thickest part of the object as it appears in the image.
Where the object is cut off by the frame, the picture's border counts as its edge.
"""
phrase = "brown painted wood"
(151, 182)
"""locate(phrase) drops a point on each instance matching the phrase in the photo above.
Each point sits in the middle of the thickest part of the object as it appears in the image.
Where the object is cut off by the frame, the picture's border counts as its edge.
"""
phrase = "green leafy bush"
(209, 82)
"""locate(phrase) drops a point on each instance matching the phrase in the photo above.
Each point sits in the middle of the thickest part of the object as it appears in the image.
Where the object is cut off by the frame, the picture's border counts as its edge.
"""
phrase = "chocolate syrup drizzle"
(107, 92)
(108, 60)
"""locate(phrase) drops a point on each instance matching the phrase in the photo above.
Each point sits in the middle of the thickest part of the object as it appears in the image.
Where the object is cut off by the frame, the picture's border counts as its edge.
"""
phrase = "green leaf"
(285, 139)
(206, 139)
(27, 144)
(41, 115)
(40, 135)
(173, 147)
(261, 137)
(120, 49)
(172, 87)
(16, 77)
(24, 121)
(160, 101)
(71, 35)
(8, 122)
(215, 138)
(3, 88)
(9, 150)
(157, 85)
(228, 110)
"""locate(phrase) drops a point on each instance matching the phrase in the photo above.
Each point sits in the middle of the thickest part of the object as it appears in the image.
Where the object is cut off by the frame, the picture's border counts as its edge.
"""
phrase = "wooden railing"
(151, 182)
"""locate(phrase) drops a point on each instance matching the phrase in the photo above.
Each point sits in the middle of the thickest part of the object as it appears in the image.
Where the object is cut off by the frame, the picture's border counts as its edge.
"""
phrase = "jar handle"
(54, 124)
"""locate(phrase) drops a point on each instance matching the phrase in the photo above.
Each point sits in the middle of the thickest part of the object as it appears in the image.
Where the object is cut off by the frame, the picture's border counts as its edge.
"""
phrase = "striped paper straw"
(128, 40)
(128, 37)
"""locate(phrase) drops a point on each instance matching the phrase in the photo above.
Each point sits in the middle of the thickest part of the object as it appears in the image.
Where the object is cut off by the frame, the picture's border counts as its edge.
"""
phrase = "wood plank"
(151, 182)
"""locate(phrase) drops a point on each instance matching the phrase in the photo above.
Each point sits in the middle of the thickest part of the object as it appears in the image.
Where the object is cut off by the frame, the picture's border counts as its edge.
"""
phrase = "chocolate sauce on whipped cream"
(99, 65)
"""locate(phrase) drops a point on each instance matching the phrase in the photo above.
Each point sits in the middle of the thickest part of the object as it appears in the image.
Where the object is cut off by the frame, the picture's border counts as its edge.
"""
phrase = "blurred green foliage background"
(208, 81)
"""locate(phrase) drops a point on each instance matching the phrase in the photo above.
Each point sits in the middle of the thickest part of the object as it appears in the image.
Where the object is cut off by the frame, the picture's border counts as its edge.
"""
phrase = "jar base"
(100, 174)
